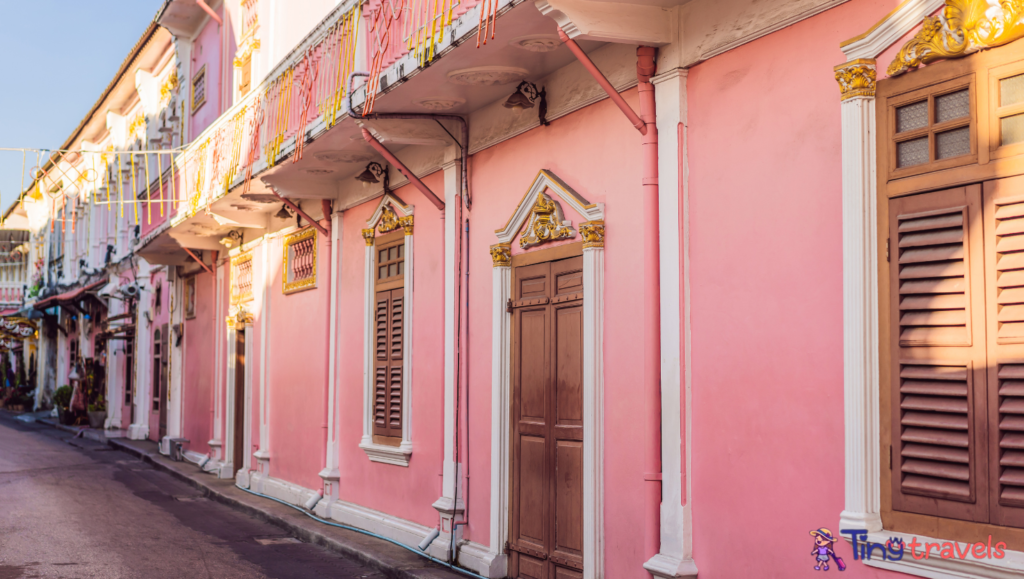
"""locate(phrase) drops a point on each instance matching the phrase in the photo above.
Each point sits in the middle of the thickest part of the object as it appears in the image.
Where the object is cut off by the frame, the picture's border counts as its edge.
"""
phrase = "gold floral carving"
(169, 85)
(592, 233)
(388, 220)
(368, 235)
(501, 254)
(245, 52)
(406, 223)
(963, 27)
(856, 78)
(546, 223)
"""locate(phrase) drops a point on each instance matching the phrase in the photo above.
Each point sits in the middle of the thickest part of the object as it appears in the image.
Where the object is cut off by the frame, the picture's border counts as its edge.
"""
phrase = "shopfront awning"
(68, 297)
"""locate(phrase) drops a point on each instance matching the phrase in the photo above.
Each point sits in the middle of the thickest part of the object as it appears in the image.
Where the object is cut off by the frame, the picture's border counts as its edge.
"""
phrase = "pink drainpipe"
(328, 210)
(645, 124)
(206, 8)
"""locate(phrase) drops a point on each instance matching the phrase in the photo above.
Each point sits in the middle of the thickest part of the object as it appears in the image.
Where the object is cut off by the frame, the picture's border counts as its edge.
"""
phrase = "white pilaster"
(262, 454)
(176, 353)
(675, 557)
(501, 402)
(860, 300)
(221, 347)
(143, 394)
(115, 374)
(330, 474)
(593, 411)
(451, 501)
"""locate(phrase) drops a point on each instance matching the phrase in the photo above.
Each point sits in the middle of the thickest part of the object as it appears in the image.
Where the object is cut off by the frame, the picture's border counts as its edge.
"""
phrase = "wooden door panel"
(533, 370)
(533, 480)
(568, 361)
(531, 567)
(569, 498)
(238, 454)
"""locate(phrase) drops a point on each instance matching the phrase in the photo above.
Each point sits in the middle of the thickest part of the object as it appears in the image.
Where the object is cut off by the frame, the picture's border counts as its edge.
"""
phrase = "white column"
(262, 454)
(593, 407)
(447, 505)
(175, 420)
(330, 474)
(115, 377)
(675, 557)
(221, 378)
(860, 297)
(139, 430)
(501, 353)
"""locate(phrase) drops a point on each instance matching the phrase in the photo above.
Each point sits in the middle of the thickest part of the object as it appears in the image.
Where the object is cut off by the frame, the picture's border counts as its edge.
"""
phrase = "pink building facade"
(569, 288)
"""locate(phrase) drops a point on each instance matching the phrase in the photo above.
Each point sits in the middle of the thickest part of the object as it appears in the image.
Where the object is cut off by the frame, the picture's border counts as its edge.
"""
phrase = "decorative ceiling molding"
(963, 27)
(547, 186)
(888, 30)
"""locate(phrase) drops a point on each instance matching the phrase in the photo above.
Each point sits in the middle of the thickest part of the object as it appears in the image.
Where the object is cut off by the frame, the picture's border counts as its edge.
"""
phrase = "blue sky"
(56, 57)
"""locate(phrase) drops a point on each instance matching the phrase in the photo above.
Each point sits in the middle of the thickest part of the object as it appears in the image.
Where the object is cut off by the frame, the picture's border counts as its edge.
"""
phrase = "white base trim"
(242, 479)
(666, 567)
(396, 455)
(1009, 567)
(138, 432)
(472, 556)
(285, 491)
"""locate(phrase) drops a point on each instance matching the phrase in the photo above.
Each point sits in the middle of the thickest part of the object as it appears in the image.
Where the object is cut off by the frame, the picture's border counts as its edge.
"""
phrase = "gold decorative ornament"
(406, 223)
(546, 223)
(592, 233)
(963, 27)
(299, 256)
(388, 220)
(245, 52)
(138, 122)
(856, 78)
(369, 235)
(169, 85)
(501, 254)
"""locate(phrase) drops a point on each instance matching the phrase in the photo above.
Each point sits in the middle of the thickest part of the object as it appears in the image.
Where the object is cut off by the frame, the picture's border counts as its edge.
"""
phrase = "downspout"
(645, 124)
(324, 230)
(208, 270)
(206, 8)
(327, 210)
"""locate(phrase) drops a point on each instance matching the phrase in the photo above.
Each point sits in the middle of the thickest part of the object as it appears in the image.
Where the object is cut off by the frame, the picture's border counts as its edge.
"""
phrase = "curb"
(367, 550)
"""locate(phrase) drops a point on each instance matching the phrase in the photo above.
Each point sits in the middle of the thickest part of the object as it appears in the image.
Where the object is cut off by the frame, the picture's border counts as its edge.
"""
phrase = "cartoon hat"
(823, 532)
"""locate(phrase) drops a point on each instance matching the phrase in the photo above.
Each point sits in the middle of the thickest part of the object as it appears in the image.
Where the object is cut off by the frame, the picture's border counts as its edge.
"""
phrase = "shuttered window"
(956, 293)
(389, 318)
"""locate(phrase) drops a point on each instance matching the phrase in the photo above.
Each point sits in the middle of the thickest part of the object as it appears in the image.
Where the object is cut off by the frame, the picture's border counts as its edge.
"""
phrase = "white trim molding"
(592, 232)
(861, 341)
(396, 455)
(894, 26)
(330, 474)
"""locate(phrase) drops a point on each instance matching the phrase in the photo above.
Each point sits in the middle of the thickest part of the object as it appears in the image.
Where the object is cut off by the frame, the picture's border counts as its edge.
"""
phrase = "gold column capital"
(593, 233)
(368, 235)
(856, 78)
(501, 254)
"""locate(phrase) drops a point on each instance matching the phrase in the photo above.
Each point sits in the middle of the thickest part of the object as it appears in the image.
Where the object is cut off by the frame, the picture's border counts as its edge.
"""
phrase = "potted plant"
(62, 400)
(97, 413)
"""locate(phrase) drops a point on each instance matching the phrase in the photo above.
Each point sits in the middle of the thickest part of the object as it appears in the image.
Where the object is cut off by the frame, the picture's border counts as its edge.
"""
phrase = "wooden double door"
(546, 538)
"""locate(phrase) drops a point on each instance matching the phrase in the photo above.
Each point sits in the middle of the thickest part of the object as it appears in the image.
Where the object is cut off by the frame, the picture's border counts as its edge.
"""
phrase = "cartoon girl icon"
(823, 541)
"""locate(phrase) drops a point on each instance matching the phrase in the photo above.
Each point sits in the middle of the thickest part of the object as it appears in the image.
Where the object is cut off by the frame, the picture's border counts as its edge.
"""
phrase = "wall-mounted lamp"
(525, 97)
(374, 173)
(232, 239)
(283, 213)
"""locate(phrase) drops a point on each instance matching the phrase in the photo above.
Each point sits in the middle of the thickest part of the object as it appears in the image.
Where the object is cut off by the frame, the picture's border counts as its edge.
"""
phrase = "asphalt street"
(74, 508)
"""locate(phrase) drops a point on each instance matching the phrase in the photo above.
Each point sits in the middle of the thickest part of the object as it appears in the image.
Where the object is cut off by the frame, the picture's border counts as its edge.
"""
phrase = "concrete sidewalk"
(392, 560)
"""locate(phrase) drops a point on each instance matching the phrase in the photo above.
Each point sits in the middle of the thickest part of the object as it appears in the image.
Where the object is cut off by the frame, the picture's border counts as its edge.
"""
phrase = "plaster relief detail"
(546, 223)
(369, 235)
(592, 233)
(487, 75)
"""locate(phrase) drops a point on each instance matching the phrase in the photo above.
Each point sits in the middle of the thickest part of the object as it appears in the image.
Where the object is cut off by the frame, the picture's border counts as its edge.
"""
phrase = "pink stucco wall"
(206, 50)
(406, 492)
(765, 230)
(297, 372)
(589, 150)
(198, 368)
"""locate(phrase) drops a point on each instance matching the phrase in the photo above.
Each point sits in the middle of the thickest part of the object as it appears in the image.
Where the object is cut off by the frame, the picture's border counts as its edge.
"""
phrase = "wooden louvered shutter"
(381, 359)
(395, 362)
(1004, 271)
(937, 325)
(387, 382)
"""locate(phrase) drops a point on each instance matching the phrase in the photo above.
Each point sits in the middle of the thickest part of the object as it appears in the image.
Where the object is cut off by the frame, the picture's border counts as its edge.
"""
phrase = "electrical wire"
(368, 533)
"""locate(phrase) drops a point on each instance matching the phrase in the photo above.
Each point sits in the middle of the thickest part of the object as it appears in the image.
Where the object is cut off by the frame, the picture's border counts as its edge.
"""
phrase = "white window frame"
(396, 455)
(862, 509)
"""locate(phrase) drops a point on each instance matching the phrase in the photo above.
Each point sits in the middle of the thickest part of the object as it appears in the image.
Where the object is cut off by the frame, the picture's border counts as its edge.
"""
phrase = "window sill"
(396, 455)
(936, 567)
